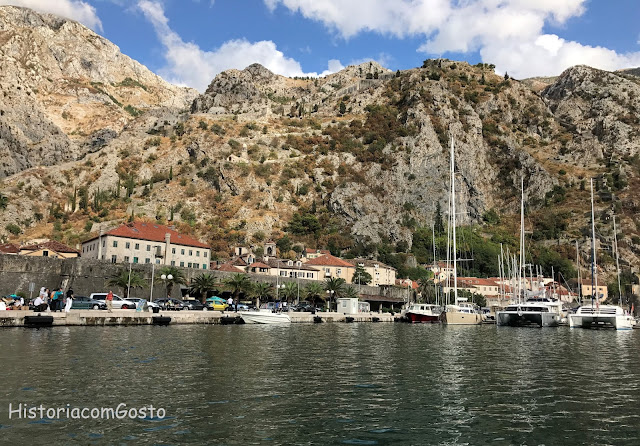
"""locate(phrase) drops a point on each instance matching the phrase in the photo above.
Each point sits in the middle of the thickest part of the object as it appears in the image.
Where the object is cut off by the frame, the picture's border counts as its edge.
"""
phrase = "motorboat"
(541, 312)
(264, 316)
(423, 313)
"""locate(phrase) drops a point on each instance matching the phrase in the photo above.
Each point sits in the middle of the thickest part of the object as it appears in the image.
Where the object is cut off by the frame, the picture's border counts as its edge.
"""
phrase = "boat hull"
(527, 319)
(420, 318)
(601, 321)
(264, 317)
(460, 318)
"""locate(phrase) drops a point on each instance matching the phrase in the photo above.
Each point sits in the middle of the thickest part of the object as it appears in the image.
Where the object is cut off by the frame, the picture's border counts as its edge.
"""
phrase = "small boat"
(264, 317)
(423, 313)
(541, 312)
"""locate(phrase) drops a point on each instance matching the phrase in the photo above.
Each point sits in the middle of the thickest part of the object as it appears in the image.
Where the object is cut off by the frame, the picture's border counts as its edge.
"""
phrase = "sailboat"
(600, 316)
(461, 312)
(537, 310)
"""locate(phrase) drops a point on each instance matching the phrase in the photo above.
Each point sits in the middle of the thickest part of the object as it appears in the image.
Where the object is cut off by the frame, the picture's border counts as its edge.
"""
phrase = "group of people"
(53, 300)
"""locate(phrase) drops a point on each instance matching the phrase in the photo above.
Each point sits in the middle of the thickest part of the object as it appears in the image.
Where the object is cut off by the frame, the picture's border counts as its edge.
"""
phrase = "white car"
(137, 301)
(118, 302)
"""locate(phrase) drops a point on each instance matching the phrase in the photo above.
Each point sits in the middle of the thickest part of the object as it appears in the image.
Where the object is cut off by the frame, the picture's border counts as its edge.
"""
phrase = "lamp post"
(164, 278)
(153, 268)
(330, 296)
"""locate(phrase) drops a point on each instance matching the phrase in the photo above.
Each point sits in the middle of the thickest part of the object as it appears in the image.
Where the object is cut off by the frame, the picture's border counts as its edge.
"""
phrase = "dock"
(26, 318)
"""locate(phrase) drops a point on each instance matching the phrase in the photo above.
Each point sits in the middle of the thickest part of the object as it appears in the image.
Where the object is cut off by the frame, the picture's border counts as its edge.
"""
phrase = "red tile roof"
(328, 260)
(52, 245)
(229, 268)
(153, 232)
(316, 251)
(9, 248)
(259, 265)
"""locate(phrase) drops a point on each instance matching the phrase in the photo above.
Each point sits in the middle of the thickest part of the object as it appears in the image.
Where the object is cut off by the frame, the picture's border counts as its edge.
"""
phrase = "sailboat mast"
(594, 273)
(453, 227)
(615, 241)
(579, 280)
(520, 284)
(435, 264)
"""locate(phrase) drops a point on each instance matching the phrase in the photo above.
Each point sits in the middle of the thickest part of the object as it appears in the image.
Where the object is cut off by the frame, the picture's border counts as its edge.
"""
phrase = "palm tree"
(176, 277)
(261, 290)
(202, 284)
(121, 280)
(351, 293)
(314, 292)
(335, 288)
(289, 292)
(237, 284)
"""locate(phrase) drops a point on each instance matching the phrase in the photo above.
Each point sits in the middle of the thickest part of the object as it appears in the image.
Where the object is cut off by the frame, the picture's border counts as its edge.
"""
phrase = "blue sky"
(189, 41)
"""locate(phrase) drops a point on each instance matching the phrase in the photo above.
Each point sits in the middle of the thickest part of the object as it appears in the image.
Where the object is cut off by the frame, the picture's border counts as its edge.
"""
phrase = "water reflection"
(327, 384)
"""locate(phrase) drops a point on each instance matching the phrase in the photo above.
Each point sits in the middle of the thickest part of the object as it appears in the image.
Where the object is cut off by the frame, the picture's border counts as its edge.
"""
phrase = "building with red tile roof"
(315, 253)
(49, 248)
(144, 242)
(9, 248)
(332, 267)
(380, 273)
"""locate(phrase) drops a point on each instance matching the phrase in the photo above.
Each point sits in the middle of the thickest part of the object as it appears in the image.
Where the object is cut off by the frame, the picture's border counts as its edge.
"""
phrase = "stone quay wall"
(88, 276)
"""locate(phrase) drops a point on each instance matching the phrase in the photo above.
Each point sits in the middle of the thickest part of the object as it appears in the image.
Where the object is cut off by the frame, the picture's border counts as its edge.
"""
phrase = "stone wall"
(88, 276)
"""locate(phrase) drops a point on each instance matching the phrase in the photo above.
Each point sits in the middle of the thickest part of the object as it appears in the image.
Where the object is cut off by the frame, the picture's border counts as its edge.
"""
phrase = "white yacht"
(462, 313)
(541, 312)
(596, 315)
(264, 316)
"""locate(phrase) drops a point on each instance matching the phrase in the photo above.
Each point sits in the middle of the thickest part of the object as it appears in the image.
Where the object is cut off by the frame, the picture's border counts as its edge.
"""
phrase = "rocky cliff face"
(364, 151)
(61, 84)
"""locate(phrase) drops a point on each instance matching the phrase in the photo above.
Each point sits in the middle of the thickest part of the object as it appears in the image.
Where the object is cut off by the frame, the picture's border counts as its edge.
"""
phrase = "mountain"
(67, 90)
(357, 160)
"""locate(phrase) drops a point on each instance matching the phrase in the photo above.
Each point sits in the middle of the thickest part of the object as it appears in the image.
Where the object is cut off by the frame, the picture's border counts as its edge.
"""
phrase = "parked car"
(304, 306)
(86, 303)
(193, 304)
(170, 304)
(216, 303)
(274, 306)
(137, 300)
(119, 303)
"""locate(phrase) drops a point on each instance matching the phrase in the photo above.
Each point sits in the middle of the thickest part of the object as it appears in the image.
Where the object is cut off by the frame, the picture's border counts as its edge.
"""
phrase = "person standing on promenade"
(230, 304)
(45, 298)
(109, 301)
(69, 302)
(57, 297)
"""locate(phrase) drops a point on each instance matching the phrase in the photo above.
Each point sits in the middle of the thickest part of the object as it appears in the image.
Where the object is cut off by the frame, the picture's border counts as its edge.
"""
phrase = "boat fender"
(161, 320)
(317, 319)
(519, 312)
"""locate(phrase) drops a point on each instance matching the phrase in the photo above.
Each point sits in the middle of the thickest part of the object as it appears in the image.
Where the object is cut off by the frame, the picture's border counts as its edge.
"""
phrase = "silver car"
(118, 302)
(137, 300)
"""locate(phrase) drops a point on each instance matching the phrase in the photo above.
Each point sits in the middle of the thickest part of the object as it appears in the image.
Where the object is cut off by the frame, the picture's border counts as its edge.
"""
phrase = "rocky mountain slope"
(67, 90)
(360, 156)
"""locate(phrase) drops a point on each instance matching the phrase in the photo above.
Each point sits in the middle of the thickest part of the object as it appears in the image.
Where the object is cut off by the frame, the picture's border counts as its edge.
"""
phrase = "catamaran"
(596, 315)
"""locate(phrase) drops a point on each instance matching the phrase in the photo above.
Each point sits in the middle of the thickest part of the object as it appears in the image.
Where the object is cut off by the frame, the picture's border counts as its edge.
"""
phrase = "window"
(205, 254)
(204, 266)
(135, 260)
(137, 246)
(126, 259)
(196, 265)
(189, 264)
(310, 275)
(190, 252)
(173, 250)
(45, 253)
(197, 253)
(182, 264)
(147, 260)
(127, 245)
(339, 271)
(148, 247)
(115, 243)
(113, 259)
(104, 243)
(182, 251)
(173, 263)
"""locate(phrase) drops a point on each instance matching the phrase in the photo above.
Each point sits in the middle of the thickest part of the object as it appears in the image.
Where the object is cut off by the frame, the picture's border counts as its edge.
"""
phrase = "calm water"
(371, 384)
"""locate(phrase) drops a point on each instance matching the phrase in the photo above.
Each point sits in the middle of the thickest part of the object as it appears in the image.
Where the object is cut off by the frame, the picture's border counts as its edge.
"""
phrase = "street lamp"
(164, 278)
(153, 269)
(330, 296)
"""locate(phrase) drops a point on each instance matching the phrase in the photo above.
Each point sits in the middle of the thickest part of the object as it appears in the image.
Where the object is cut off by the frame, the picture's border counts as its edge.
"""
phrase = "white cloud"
(508, 33)
(72, 9)
(188, 64)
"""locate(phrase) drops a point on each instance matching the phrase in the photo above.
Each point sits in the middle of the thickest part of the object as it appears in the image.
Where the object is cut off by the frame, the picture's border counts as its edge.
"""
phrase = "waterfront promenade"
(131, 317)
